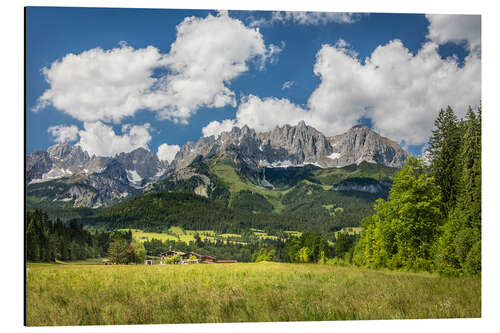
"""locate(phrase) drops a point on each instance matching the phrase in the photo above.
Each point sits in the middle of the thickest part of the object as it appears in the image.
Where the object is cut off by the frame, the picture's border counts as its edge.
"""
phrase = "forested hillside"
(432, 218)
(231, 200)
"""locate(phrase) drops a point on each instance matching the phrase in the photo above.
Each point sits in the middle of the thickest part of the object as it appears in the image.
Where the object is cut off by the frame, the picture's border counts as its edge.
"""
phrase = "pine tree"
(470, 195)
(444, 149)
(117, 251)
(458, 250)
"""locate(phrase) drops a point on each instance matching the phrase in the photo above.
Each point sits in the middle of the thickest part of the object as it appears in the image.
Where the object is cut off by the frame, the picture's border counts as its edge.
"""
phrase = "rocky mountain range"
(297, 146)
(66, 173)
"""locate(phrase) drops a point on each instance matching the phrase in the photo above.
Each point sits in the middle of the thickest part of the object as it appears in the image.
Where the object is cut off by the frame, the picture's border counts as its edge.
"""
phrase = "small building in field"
(225, 261)
(206, 259)
(106, 262)
(183, 257)
(148, 262)
(186, 258)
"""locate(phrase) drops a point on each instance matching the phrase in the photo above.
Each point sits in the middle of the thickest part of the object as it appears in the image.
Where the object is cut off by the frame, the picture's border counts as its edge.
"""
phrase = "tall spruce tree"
(444, 149)
(459, 247)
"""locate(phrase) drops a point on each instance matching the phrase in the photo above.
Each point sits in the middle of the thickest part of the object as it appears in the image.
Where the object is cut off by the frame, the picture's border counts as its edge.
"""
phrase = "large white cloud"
(109, 85)
(101, 140)
(208, 53)
(63, 133)
(261, 115)
(98, 84)
(400, 92)
(456, 29)
(167, 152)
(216, 127)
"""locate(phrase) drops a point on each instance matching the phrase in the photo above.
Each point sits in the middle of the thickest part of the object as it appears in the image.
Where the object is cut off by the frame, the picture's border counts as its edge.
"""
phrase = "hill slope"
(223, 193)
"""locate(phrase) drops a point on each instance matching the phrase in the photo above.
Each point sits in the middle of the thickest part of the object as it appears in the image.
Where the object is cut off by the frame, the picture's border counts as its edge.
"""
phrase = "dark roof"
(173, 252)
(207, 256)
(188, 253)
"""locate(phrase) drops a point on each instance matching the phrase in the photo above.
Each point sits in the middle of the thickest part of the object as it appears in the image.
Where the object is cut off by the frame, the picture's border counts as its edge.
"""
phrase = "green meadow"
(69, 294)
(186, 236)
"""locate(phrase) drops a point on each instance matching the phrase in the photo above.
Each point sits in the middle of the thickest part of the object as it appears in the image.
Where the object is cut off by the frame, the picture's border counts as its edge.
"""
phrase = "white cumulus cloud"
(167, 152)
(400, 92)
(261, 115)
(217, 127)
(105, 85)
(455, 29)
(110, 85)
(207, 54)
(101, 140)
(63, 133)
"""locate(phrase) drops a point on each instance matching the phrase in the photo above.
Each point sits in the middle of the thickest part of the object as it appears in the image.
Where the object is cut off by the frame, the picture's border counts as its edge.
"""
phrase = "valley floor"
(119, 294)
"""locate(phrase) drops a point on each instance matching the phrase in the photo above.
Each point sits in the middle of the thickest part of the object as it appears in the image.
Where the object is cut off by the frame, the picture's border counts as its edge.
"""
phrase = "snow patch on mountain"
(134, 177)
(334, 156)
(276, 164)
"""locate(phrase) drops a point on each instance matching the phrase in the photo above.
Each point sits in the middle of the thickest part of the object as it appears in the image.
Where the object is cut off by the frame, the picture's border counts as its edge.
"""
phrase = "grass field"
(186, 236)
(349, 231)
(91, 295)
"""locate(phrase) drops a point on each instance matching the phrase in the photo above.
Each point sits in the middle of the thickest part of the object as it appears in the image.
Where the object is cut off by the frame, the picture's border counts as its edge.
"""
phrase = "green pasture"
(243, 292)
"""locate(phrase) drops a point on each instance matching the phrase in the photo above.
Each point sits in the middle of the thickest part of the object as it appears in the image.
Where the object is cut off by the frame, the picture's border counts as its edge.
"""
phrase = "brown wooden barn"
(206, 259)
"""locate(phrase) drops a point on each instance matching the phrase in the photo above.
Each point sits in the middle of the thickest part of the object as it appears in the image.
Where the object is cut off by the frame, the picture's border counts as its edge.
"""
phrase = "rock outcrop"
(296, 146)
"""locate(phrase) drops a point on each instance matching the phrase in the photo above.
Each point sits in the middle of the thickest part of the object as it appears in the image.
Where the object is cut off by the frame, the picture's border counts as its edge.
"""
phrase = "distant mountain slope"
(298, 146)
(65, 175)
(223, 193)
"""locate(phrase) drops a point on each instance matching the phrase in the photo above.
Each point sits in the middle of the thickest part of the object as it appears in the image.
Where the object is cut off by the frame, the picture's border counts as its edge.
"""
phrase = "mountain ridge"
(299, 145)
(94, 181)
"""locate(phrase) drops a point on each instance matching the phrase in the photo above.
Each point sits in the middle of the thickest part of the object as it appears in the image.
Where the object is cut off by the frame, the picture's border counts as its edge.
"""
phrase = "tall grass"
(90, 295)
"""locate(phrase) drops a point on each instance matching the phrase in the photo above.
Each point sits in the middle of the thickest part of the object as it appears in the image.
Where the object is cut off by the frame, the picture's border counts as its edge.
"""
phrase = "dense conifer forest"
(432, 218)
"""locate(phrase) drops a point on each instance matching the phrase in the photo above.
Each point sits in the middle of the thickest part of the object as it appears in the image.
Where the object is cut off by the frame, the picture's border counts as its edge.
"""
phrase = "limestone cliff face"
(298, 145)
(86, 180)
(67, 174)
(64, 160)
(360, 144)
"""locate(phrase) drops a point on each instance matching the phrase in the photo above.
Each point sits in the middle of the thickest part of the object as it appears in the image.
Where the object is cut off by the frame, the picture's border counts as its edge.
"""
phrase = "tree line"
(307, 248)
(48, 240)
(431, 220)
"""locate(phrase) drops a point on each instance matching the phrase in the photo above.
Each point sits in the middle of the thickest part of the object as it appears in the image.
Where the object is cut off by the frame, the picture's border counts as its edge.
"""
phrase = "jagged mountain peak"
(109, 178)
(360, 127)
(141, 151)
(60, 150)
(360, 143)
(302, 124)
(298, 145)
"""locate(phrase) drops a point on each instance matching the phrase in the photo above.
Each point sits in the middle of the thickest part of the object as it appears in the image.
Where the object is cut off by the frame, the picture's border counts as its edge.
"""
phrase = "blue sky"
(392, 72)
